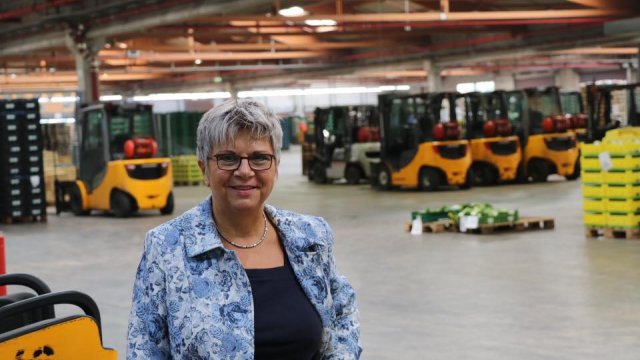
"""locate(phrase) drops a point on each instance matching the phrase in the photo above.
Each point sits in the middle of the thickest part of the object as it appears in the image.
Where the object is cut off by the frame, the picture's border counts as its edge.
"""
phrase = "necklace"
(264, 235)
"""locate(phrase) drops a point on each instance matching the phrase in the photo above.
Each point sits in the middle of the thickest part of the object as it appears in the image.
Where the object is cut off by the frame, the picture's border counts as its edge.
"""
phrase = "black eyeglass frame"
(217, 157)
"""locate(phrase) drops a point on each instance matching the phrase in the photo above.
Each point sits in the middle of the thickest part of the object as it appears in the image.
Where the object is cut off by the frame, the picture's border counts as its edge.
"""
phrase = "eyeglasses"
(231, 162)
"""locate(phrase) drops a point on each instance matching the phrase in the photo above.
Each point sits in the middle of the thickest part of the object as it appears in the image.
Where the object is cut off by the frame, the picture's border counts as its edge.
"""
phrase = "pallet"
(8, 220)
(612, 233)
(188, 183)
(522, 224)
(433, 226)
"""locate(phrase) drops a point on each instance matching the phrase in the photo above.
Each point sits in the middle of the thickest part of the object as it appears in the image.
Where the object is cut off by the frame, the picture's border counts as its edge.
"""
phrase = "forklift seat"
(25, 318)
(70, 337)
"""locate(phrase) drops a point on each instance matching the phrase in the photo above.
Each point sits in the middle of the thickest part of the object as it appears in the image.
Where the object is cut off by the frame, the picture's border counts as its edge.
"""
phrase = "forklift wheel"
(318, 173)
(384, 178)
(76, 202)
(168, 208)
(484, 175)
(538, 170)
(429, 179)
(121, 204)
(576, 171)
(353, 174)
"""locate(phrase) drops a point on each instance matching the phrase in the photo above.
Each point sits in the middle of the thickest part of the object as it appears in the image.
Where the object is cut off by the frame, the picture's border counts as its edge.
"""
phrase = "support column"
(567, 80)
(631, 73)
(505, 81)
(85, 52)
(434, 80)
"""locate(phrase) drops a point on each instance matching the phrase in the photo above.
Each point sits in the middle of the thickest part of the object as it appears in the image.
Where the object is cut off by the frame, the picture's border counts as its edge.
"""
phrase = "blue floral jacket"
(192, 298)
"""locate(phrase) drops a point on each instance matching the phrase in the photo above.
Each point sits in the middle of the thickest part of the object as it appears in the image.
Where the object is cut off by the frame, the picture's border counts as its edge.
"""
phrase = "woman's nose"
(244, 167)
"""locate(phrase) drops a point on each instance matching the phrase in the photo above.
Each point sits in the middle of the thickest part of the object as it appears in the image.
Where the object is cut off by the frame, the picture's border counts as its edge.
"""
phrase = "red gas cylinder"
(438, 131)
(548, 125)
(452, 130)
(364, 134)
(489, 128)
(504, 127)
(561, 123)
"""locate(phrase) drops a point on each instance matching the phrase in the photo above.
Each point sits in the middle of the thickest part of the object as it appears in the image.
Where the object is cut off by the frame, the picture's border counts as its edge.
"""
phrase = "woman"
(234, 278)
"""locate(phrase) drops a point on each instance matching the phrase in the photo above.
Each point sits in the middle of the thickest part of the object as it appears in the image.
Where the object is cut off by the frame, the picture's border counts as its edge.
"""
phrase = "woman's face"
(242, 189)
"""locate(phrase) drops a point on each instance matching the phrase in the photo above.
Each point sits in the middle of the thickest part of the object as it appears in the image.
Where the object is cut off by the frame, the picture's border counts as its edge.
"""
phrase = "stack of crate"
(611, 181)
(22, 195)
(186, 170)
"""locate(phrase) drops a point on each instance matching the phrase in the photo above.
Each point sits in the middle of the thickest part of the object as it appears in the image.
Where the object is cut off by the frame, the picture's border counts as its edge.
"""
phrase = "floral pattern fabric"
(192, 298)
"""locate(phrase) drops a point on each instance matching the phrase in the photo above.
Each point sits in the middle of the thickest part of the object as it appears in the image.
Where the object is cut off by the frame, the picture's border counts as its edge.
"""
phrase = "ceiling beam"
(433, 16)
(126, 25)
(107, 55)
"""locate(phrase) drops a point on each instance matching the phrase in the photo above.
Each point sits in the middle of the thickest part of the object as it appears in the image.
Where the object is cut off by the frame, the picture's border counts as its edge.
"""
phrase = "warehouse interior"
(432, 280)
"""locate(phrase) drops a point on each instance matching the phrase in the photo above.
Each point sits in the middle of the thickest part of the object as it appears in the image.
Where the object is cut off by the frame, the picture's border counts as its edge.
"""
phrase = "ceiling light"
(198, 61)
(292, 11)
(110, 97)
(121, 45)
(13, 76)
(190, 31)
(107, 46)
(323, 22)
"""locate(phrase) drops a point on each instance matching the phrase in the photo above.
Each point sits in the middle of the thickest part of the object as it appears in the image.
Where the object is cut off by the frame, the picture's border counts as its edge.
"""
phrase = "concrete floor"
(529, 295)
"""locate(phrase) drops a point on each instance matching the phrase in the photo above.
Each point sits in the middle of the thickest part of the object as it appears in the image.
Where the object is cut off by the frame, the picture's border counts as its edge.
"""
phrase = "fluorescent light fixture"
(198, 61)
(63, 99)
(110, 97)
(183, 96)
(324, 22)
(320, 91)
(58, 121)
(292, 11)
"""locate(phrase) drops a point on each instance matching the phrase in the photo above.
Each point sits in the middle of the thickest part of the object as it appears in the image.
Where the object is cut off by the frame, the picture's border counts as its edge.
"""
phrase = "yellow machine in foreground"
(118, 169)
(417, 149)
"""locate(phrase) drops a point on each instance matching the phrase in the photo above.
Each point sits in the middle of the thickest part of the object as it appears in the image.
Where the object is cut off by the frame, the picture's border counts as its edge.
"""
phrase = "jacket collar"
(202, 236)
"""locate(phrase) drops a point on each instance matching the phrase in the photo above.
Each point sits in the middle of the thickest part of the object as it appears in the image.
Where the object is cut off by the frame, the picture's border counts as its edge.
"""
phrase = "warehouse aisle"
(529, 295)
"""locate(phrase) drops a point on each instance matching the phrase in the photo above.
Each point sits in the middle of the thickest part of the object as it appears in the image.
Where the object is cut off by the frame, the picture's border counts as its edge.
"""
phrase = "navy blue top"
(287, 326)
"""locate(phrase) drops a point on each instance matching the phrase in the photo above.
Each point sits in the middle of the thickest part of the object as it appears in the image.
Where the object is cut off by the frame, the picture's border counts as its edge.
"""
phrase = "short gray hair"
(221, 125)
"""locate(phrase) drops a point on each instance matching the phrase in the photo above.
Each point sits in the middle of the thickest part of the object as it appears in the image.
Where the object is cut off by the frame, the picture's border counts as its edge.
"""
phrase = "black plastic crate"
(19, 104)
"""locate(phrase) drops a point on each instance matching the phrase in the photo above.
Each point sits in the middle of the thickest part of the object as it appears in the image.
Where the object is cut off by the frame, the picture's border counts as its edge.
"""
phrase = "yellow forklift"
(117, 165)
(548, 145)
(574, 110)
(495, 149)
(420, 147)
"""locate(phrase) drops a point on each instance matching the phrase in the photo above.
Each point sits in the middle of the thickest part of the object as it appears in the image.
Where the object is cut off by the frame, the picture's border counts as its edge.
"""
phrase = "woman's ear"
(205, 178)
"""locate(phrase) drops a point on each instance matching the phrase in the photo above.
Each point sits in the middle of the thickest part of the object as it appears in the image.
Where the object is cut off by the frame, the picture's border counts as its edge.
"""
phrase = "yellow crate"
(621, 191)
(593, 191)
(592, 177)
(591, 149)
(622, 205)
(590, 163)
(621, 148)
(627, 220)
(621, 177)
(595, 219)
(596, 205)
(622, 134)
(626, 163)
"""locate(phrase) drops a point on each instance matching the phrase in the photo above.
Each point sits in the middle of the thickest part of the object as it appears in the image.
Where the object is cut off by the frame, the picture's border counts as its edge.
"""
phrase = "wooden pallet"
(612, 233)
(8, 220)
(522, 224)
(188, 183)
(433, 226)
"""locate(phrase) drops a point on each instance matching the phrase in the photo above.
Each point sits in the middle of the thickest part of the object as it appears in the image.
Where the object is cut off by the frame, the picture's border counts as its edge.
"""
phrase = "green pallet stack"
(611, 180)
(177, 132)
